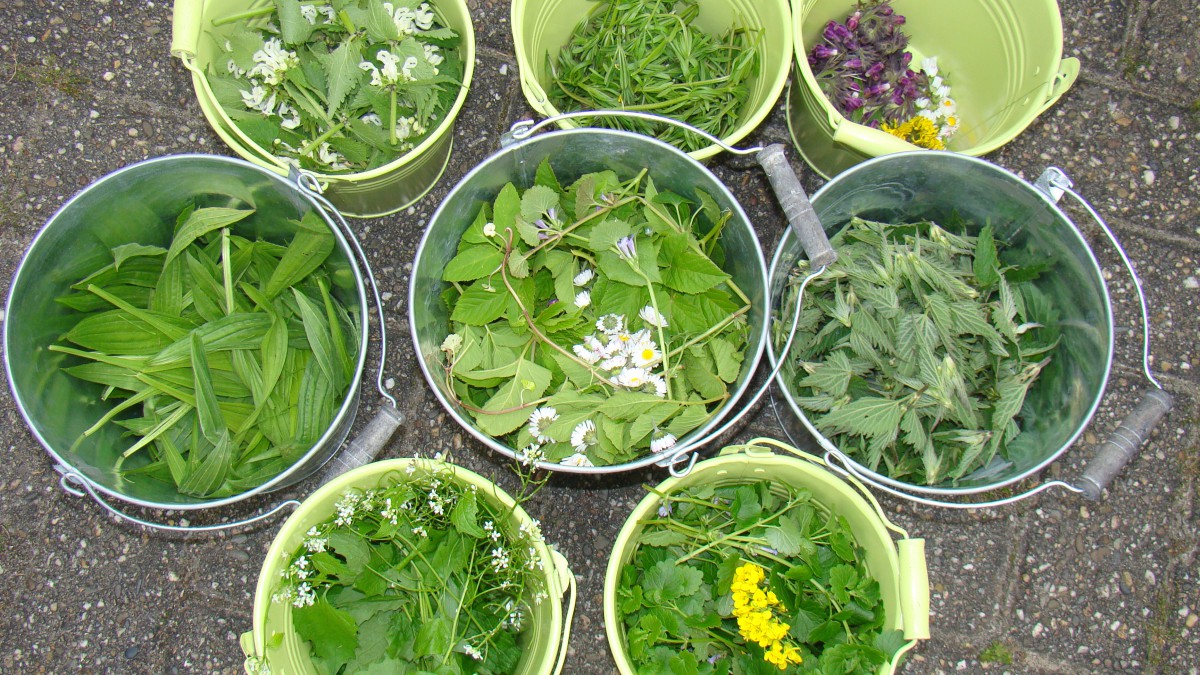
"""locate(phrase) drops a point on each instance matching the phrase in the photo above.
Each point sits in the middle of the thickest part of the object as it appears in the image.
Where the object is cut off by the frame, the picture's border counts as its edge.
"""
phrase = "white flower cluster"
(311, 12)
(627, 359)
(938, 107)
(408, 20)
(271, 64)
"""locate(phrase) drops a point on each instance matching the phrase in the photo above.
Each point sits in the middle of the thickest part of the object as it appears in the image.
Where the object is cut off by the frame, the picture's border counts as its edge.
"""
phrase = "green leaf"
(316, 329)
(434, 637)
(208, 409)
(380, 25)
(508, 409)
(867, 416)
(786, 538)
(352, 548)
(628, 405)
(726, 358)
(698, 371)
(309, 249)
(537, 201)
(668, 581)
(687, 270)
(465, 516)
(332, 633)
(986, 263)
(473, 262)
(480, 304)
(606, 234)
(505, 211)
(213, 469)
(342, 73)
(127, 251)
(294, 29)
(200, 223)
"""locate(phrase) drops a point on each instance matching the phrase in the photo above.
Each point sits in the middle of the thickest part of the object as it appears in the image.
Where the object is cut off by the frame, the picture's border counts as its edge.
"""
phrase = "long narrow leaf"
(207, 406)
(206, 478)
(309, 248)
(162, 427)
(316, 328)
(243, 330)
(167, 325)
(200, 223)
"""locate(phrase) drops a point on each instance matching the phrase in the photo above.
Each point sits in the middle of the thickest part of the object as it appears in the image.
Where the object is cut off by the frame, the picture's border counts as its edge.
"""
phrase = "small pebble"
(1148, 177)
(1173, 122)
(131, 652)
(108, 76)
(1191, 282)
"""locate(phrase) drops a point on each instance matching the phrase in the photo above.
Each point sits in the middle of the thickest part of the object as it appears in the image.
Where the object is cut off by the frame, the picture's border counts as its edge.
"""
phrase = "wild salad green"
(336, 85)
(592, 324)
(916, 349)
(754, 577)
(424, 574)
(227, 357)
(650, 56)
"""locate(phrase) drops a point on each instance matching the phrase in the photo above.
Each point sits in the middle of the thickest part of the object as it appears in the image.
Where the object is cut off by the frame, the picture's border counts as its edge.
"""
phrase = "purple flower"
(627, 248)
(824, 51)
(878, 89)
(854, 63)
(853, 103)
(712, 660)
(835, 32)
(875, 70)
(852, 21)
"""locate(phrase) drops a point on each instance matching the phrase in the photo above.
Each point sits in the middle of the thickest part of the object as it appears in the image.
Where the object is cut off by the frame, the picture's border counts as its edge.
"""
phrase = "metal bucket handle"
(361, 450)
(792, 199)
(1122, 444)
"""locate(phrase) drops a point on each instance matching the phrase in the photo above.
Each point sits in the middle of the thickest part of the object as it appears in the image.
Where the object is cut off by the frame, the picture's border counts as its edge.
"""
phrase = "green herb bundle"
(756, 577)
(915, 350)
(229, 358)
(336, 85)
(423, 574)
(593, 323)
(649, 56)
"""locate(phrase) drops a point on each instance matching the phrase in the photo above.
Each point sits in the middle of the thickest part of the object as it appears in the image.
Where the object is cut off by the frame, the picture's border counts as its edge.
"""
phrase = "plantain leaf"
(208, 476)
(316, 328)
(200, 223)
(309, 248)
(208, 409)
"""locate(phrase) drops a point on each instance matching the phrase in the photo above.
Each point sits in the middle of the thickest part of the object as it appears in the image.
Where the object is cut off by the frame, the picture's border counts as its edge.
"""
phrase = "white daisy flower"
(666, 442)
(539, 420)
(929, 66)
(633, 378)
(614, 362)
(577, 459)
(611, 324)
(586, 355)
(660, 385)
(583, 299)
(584, 435)
(652, 317)
(585, 275)
(645, 354)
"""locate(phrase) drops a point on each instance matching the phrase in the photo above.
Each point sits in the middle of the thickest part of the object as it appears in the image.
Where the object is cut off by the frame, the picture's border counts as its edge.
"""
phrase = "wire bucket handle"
(361, 450)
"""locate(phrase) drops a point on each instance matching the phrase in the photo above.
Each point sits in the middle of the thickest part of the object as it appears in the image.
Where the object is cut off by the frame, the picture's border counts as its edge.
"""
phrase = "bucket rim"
(760, 346)
(877, 479)
(749, 454)
(349, 405)
(554, 562)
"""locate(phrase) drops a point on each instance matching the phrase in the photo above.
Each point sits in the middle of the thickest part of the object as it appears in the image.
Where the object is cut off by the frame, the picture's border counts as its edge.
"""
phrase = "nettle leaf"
(986, 264)
(867, 416)
(343, 73)
(294, 29)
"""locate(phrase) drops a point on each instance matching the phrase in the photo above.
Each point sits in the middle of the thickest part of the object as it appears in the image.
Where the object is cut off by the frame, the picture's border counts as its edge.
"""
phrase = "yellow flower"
(919, 130)
(753, 608)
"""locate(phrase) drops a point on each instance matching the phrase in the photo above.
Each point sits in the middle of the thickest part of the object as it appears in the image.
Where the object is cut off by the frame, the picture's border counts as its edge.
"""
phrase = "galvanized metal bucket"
(572, 153)
(948, 187)
(140, 203)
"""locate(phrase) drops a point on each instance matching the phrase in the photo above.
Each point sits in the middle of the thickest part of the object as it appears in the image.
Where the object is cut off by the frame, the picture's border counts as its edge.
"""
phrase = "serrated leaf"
(342, 73)
(668, 581)
(480, 304)
(465, 516)
(686, 270)
(867, 416)
(986, 264)
(537, 201)
(505, 212)
(506, 410)
(606, 234)
(473, 262)
(294, 29)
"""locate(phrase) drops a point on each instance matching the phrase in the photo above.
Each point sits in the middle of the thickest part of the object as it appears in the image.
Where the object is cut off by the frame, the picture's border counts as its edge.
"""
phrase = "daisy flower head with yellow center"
(539, 420)
(577, 459)
(659, 384)
(611, 324)
(584, 436)
(633, 378)
(645, 353)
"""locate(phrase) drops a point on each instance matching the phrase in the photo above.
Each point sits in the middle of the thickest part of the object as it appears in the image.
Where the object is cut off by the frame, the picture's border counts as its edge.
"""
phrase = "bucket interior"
(286, 652)
(541, 28)
(879, 551)
(571, 154)
(140, 204)
(1000, 58)
(945, 187)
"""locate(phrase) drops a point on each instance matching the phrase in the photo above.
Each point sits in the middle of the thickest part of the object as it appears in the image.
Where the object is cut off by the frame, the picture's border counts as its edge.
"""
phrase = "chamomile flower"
(584, 435)
(531, 454)
(584, 277)
(653, 317)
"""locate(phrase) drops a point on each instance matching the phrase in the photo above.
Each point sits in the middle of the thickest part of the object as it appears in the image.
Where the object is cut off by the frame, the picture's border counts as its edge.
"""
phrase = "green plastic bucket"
(1003, 60)
(367, 194)
(898, 565)
(541, 28)
(139, 204)
(947, 187)
(272, 642)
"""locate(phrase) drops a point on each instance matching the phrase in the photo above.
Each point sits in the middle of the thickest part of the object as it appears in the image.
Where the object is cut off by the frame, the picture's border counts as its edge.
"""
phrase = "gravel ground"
(1051, 584)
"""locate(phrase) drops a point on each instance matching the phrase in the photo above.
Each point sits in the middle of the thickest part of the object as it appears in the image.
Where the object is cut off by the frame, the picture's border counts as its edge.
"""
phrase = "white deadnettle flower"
(329, 157)
(583, 299)
(660, 444)
(259, 98)
(585, 275)
(372, 118)
(633, 378)
(433, 56)
(424, 16)
(577, 459)
(652, 317)
(232, 67)
(309, 12)
(272, 61)
(584, 435)
(290, 115)
(539, 420)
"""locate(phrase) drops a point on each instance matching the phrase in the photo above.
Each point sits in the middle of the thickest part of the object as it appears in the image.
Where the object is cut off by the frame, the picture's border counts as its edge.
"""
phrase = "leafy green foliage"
(234, 378)
(422, 574)
(674, 600)
(305, 81)
(915, 351)
(536, 278)
(664, 63)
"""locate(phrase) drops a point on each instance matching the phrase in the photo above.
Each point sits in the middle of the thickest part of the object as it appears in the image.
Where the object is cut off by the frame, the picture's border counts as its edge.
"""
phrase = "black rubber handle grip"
(1123, 444)
(796, 206)
(366, 445)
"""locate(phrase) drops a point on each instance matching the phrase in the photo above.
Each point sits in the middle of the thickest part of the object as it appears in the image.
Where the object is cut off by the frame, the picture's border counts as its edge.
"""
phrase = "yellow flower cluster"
(920, 131)
(755, 610)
